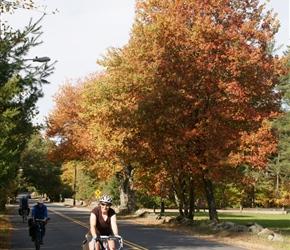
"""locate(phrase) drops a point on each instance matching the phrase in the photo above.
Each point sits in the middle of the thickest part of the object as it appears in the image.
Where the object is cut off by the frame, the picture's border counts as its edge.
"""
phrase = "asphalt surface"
(68, 225)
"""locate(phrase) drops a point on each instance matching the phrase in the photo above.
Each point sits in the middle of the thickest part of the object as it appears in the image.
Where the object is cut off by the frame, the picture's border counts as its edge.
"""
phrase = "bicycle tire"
(23, 215)
(37, 239)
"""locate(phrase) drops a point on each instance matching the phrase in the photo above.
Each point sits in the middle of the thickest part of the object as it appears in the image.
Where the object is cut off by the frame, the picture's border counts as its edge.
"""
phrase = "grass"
(277, 222)
(5, 229)
(280, 223)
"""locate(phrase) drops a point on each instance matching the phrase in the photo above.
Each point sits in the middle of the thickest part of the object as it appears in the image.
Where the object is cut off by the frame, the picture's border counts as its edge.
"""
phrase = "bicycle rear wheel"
(23, 215)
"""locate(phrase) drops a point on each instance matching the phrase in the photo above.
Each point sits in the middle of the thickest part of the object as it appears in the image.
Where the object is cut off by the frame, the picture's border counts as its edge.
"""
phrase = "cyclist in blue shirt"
(24, 205)
(39, 211)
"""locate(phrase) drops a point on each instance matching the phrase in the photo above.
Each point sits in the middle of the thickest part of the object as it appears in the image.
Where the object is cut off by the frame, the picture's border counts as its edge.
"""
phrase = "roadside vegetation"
(5, 229)
(276, 222)
(280, 223)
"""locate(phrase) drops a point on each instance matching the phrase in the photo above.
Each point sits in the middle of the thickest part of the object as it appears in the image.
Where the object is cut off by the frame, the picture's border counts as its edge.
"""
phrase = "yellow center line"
(131, 244)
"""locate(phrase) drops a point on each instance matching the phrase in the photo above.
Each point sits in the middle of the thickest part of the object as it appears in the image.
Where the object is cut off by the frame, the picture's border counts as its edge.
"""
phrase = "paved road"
(67, 227)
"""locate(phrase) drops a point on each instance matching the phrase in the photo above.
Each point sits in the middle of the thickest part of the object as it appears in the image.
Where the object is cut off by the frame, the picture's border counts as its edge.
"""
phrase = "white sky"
(81, 31)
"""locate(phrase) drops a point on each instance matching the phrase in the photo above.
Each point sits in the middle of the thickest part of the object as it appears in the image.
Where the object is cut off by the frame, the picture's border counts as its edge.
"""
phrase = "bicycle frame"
(103, 240)
(37, 242)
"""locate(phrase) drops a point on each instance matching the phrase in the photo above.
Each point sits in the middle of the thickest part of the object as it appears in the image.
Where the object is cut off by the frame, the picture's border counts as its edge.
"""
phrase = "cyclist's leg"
(93, 245)
(111, 244)
(25, 212)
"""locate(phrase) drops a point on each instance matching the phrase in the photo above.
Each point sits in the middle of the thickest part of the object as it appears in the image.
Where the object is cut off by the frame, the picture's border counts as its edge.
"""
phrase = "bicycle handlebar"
(103, 238)
(42, 220)
(110, 237)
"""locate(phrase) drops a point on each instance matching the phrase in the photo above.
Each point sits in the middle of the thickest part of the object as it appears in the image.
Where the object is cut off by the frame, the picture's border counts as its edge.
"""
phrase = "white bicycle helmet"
(106, 198)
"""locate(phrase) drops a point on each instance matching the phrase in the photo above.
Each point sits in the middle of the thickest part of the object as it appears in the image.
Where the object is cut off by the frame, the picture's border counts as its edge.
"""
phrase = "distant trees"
(38, 171)
(278, 171)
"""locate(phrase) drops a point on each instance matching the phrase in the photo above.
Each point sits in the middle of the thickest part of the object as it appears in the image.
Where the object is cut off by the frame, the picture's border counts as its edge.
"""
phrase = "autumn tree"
(109, 123)
(73, 142)
(65, 125)
(199, 80)
(80, 144)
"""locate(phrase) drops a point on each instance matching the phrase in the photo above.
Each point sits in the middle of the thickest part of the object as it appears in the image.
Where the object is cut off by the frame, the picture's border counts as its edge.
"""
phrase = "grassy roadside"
(5, 229)
(277, 222)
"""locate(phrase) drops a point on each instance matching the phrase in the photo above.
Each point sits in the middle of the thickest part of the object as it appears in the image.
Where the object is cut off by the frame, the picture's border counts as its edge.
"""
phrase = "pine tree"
(20, 88)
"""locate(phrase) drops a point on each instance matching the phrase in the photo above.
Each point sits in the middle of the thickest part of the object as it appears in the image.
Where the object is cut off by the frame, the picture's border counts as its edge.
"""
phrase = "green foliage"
(147, 201)
(114, 189)
(38, 170)
(86, 185)
(20, 88)
(278, 171)
(111, 187)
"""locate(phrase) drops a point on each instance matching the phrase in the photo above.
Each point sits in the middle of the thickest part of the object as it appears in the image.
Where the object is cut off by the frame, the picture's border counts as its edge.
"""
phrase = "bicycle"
(103, 240)
(39, 226)
(24, 214)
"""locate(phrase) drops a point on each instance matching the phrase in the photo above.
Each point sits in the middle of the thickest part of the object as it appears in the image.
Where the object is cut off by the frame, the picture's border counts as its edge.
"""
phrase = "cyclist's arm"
(45, 213)
(93, 224)
(33, 213)
(114, 224)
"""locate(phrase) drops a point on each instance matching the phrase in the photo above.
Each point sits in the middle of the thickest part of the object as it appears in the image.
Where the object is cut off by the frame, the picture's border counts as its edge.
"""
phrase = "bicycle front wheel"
(37, 240)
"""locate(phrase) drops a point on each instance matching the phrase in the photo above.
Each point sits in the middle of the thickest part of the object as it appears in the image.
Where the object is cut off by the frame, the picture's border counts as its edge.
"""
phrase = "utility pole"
(75, 183)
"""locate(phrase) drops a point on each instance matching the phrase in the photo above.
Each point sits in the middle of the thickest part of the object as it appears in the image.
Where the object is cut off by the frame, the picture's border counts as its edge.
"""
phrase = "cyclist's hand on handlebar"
(47, 219)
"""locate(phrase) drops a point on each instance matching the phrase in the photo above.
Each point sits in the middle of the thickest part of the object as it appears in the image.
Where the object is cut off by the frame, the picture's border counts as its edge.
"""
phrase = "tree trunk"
(183, 197)
(162, 206)
(191, 199)
(253, 201)
(210, 199)
(127, 195)
(177, 200)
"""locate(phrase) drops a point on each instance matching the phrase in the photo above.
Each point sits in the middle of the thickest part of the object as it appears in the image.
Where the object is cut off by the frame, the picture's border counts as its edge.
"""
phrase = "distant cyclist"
(24, 204)
(39, 211)
(103, 221)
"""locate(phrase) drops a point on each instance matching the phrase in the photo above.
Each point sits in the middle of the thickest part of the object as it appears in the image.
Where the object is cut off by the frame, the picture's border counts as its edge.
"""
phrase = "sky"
(81, 31)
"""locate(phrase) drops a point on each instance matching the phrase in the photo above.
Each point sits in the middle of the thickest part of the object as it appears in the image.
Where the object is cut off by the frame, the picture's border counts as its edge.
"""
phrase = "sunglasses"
(105, 205)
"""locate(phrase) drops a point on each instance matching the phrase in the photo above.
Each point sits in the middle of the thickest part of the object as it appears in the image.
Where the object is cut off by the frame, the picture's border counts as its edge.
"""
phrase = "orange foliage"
(194, 86)
(66, 126)
(255, 148)
(200, 79)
